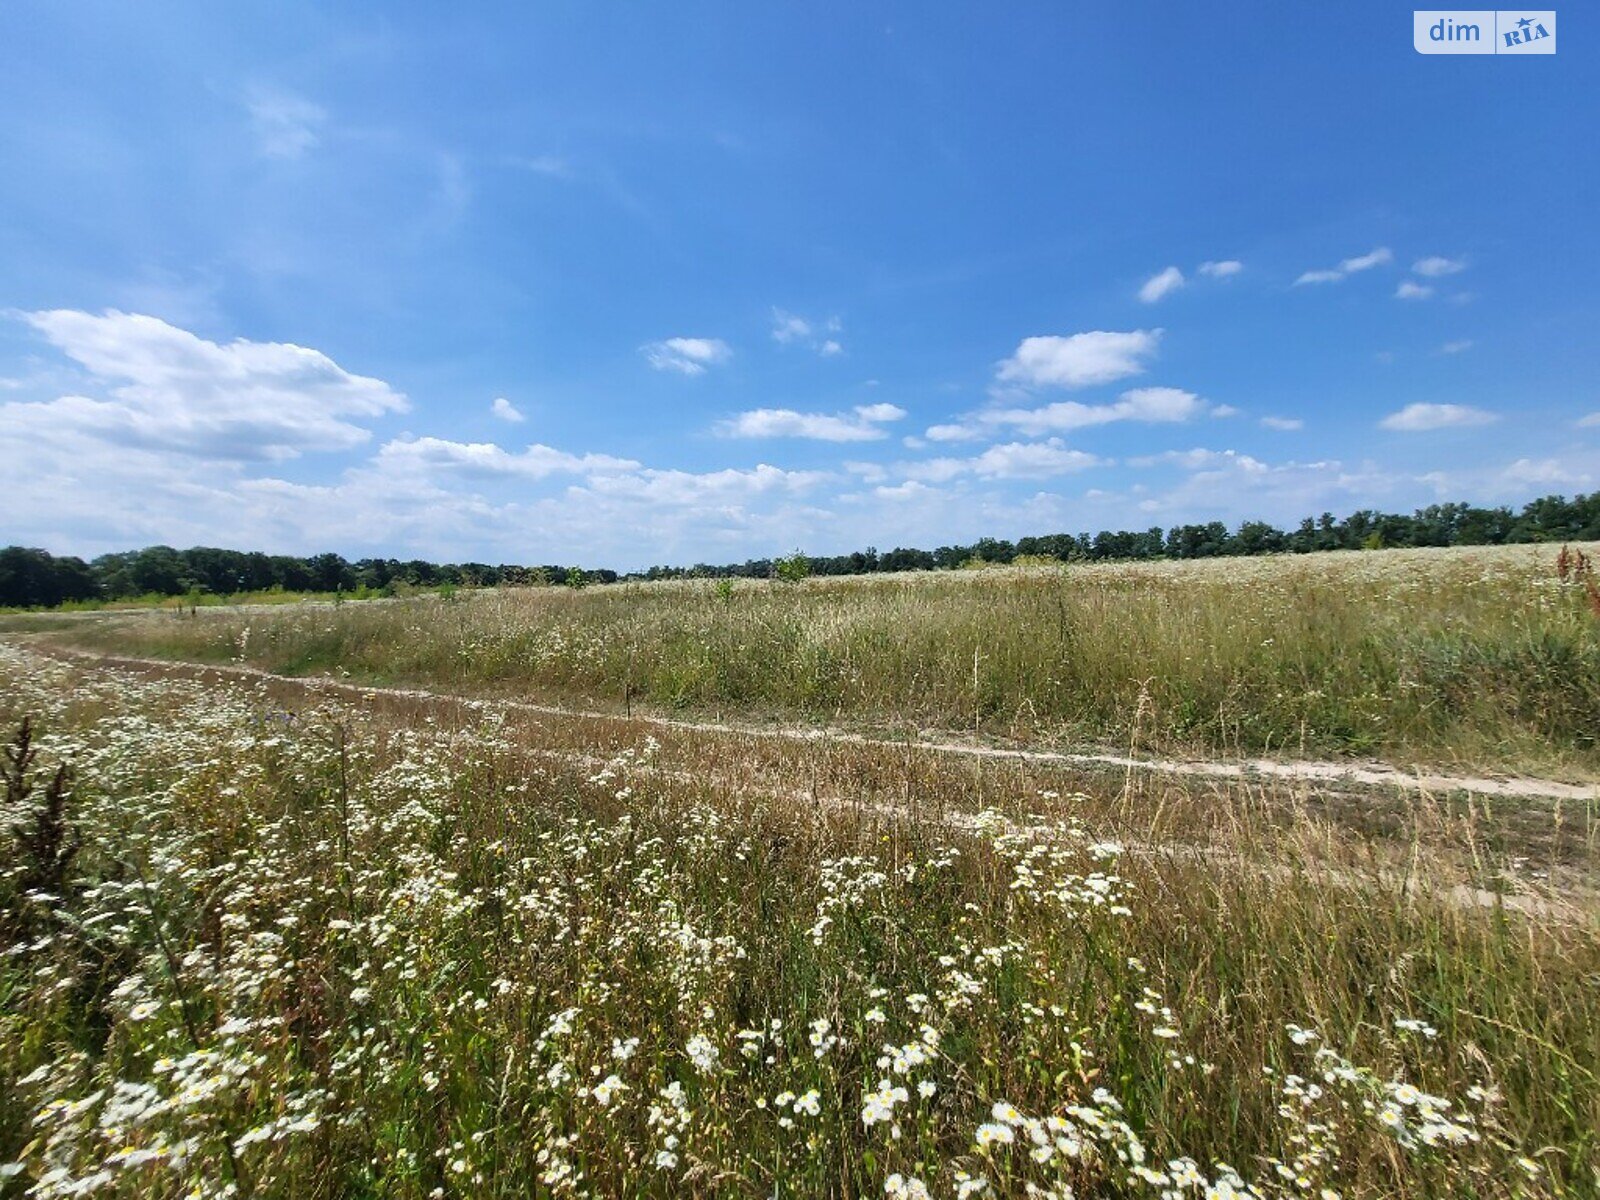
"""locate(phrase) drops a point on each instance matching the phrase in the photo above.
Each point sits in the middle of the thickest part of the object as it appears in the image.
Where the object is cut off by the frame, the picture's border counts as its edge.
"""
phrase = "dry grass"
(401, 948)
(1474, 658)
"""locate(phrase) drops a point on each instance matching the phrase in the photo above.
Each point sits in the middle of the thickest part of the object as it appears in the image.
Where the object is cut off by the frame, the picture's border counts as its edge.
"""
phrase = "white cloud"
(1162, 284)
(1438, 265)
(1285, 424)
(687, 355)
(788, 329)
(285, 125)
(1589, 422)
(171, 390)
(1221, 270)
(862, 424)
(937, 470)
(1079, 360)
(1350, 266)
(1364, 262)
(729, 486)
(867, 472)
(1422, 418)
(1520, 479)
(1012, 460)
(486, 458)
(1456, 347)
(1200, 459)
(1221, 411)
(1544, 473)
(951, 433)
(1031, 460)
(506, 410)
(1154, 405)
(1409, 290)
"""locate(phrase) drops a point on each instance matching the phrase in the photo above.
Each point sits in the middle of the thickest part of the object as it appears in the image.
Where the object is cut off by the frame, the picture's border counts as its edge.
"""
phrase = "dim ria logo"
(1484, 31)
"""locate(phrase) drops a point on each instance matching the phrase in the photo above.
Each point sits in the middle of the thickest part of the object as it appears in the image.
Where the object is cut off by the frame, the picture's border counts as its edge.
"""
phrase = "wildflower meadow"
(302, 946)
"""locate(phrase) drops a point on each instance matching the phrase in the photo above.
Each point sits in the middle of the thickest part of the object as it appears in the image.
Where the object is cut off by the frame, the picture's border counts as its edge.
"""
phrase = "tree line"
(33, 578)
(1550, 519)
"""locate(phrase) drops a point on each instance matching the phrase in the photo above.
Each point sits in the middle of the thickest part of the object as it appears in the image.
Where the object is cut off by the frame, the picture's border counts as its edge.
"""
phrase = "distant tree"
(1258, 537)
(792, 568)
(330, 573)
(159, 571)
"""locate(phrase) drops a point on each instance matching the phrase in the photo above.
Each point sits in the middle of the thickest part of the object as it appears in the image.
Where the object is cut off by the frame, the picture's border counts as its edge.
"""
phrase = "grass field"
(272, 938)
(388, 950)
(1479, 657)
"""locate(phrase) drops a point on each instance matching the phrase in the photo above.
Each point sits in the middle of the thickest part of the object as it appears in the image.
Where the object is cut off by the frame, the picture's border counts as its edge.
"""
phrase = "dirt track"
(1369, 775)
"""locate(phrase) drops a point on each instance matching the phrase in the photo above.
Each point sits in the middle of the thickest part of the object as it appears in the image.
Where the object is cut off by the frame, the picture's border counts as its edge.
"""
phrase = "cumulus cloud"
(1080, 359)
(1151, 405)
(951, 433)
(1519, 479)
(1161, 284)
(1438, 265)
(165, 388)
(1411, 290)
(286, 126)
(1031, 460)
(1221, 411)
(1012, 460)
(864, 423)
(1350, 266)
(506, 411)
(729, 486)
(911, 489)
(1224, 269)
(687, 355)
(1286, 424)
(488, 459)
(1422, 418)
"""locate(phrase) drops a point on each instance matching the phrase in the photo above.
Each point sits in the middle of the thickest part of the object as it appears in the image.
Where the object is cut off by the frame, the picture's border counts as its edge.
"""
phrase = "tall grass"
(1482, 657)
(350, 952)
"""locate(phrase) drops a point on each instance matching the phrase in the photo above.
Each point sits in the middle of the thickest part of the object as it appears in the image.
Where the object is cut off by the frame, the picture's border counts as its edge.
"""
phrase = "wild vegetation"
(408, 949)
(1484, 657)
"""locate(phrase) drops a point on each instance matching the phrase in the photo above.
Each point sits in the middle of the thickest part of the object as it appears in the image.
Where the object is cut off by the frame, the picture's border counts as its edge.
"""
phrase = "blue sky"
(630, 284)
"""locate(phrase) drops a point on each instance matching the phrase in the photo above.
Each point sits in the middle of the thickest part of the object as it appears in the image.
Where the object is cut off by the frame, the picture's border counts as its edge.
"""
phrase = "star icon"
(1525, 22)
